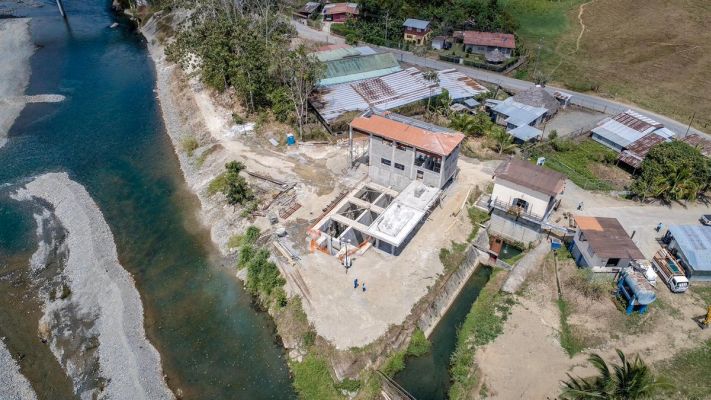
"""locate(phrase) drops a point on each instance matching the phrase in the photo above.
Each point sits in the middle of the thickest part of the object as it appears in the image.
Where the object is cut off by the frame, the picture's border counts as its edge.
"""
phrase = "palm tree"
(629, 380)
(502, 141)
(432, 77)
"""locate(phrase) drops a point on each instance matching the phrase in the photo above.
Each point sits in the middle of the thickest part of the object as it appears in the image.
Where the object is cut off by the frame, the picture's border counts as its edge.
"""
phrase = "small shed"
(525, 133)
(603, 242)
(441, 43)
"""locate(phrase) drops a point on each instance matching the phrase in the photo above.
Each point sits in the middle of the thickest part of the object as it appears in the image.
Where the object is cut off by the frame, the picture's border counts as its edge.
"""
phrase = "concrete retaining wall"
(449, 290)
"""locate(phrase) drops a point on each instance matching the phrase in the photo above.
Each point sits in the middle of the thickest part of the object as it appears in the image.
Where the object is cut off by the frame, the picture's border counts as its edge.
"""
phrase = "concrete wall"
(389, 175)
(398, 179)
(449, 167)
(448, 292)
(508, 227)
(538, 203)
(585, 256)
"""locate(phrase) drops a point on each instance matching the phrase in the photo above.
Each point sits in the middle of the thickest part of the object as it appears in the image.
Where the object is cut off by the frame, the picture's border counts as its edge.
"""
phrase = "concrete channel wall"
(449, 291)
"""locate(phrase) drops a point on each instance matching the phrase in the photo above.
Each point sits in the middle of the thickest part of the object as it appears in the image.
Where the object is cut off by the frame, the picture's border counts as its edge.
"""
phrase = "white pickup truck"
(670, 271)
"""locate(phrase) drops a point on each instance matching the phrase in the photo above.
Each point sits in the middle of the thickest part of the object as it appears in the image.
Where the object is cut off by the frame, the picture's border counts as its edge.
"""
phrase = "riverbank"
(93, 321)
(14, 71)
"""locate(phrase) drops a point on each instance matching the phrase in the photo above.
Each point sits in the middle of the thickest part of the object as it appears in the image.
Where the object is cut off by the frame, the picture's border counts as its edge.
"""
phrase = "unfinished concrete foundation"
(374, 215)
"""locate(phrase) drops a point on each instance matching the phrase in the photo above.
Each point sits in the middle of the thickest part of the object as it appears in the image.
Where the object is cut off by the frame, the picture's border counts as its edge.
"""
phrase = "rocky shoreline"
(93, 322)
(15, 71)
(13, 385)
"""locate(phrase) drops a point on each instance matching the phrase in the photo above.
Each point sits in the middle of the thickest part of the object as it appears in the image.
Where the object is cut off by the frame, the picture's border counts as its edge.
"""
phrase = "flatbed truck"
(670, 272)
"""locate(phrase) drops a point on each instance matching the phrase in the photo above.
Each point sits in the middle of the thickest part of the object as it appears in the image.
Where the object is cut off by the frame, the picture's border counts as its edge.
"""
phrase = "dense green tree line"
(380, 22)
(673, 171)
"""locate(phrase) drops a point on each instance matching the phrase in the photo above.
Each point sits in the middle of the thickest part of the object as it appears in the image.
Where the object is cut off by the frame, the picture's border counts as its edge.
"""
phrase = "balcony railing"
(516, 211)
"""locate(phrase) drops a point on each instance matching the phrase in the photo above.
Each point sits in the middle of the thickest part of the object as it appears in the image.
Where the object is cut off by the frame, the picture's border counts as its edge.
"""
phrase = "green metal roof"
(356, 68)
(337, 54)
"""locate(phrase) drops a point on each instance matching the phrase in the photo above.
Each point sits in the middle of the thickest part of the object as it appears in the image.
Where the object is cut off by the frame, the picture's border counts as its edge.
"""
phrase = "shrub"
(348, 385)
(583, 280)
(394, 364)
(562, 145)
(419, 345)
(217, 185)
(237, 119)
(309, 338)
(312, 379)
(189, 145)
(452, 259)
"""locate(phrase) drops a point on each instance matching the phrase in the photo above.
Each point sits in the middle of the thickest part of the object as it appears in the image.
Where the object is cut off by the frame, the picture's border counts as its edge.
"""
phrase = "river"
(109, 136)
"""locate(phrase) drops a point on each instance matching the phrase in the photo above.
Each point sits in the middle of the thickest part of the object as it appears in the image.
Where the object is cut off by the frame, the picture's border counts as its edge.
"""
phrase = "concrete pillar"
(350, 144)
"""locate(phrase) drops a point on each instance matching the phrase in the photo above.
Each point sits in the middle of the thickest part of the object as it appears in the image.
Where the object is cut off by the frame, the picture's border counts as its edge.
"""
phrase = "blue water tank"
(290, 139)
(642, 290)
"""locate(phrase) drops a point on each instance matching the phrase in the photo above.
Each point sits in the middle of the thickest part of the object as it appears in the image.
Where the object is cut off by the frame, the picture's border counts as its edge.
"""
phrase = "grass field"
(653, 53)
(587, 164)
(688, 372)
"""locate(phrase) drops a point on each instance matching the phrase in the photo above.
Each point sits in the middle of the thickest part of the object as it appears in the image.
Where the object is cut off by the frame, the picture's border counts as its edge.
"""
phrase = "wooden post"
(61, 9)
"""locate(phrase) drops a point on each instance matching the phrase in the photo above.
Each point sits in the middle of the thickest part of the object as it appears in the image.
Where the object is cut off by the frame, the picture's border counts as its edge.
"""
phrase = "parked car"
(706, 219)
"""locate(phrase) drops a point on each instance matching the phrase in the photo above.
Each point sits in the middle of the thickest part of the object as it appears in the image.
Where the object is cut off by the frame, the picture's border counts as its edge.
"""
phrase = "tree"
(236, 188)
(433, 78)
(629, 380)
(300, 72)
(673, 171)
(472, 125)
(502, 142)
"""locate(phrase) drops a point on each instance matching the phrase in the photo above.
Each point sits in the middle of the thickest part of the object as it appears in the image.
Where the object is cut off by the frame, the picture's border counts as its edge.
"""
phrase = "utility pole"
(61, 9)
(387, 19)
(538, 56)
(690, 122)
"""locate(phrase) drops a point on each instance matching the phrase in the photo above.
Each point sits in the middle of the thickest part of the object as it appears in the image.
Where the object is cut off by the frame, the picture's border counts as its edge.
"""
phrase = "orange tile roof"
(440, 143)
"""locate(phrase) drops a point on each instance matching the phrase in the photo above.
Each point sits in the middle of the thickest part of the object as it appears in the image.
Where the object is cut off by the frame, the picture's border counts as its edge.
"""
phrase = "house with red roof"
(339, 12)
(489, 43)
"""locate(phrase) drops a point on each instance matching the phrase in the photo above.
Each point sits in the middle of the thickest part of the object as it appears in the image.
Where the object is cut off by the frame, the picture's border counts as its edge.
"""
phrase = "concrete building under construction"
(410, 162)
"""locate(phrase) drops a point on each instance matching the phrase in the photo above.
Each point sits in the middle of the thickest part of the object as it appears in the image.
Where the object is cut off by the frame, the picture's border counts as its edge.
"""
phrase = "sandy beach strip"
(13, 385)
(15, 40)
(101, 286)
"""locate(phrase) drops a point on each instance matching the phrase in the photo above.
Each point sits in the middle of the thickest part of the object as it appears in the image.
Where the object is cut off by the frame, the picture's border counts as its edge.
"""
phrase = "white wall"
(508, 191)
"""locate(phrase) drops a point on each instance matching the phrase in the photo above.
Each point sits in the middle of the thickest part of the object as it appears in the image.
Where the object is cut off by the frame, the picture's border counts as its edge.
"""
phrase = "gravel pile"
(13, 385)
(101, 287)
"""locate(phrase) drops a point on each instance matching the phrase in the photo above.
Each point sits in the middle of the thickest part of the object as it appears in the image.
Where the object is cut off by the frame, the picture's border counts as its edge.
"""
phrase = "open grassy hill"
(654, 53)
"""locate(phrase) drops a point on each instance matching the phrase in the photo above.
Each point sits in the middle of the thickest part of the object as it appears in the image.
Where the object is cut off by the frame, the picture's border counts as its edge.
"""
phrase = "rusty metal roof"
(494, 39)
(703, 144)
(540, 179)
(637, 151)
(391, 91)
(607, 238)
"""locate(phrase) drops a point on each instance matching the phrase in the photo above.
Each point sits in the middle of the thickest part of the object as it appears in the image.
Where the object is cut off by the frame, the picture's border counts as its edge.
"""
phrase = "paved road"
(511, 84)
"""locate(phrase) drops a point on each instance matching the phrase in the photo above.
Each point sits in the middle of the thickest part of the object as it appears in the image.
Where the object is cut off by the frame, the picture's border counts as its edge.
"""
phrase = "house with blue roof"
(691, 245)
(416, 31)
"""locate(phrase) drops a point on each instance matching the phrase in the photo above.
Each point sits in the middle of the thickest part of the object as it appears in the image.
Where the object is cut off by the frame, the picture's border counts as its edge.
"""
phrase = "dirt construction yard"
(349, 317)
(527, 361)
